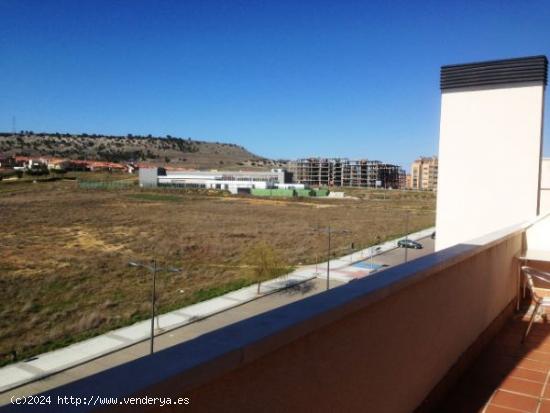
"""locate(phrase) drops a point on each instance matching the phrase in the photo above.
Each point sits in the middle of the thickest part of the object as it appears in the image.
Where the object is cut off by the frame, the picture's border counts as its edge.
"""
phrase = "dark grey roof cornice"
(495, 72)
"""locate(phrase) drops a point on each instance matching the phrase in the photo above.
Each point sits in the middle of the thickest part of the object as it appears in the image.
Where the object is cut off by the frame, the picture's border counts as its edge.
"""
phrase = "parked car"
(408, 243)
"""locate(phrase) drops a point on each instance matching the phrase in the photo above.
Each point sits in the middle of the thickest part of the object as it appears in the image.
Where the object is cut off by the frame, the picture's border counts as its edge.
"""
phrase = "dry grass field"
(64, 251)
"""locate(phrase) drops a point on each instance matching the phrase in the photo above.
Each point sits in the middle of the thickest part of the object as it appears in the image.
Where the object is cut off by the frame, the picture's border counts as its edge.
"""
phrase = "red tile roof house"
(96, 166)
(7, 161)
(79, 165)
(58, 163)
(27, 162)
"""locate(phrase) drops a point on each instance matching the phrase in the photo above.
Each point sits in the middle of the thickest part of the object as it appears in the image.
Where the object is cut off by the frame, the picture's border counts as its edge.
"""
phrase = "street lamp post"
(406, 235)
(329, 231)
(371, 248)
(153, 268)
(316, 264)
(328, 258)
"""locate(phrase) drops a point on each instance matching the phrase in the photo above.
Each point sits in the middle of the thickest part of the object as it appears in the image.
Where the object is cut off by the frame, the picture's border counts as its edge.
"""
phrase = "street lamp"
(371, 248)
(153, 268)
(375, 247)
(329, 231)
(406, 234)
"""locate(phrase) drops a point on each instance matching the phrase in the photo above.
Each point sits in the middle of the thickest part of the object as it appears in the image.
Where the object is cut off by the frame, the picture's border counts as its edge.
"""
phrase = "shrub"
(265, 263)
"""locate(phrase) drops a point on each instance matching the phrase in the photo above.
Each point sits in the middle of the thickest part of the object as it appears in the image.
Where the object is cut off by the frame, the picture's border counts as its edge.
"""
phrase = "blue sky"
(285, 79)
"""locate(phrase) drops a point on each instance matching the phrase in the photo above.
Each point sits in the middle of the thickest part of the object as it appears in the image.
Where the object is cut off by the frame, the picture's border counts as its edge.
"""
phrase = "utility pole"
(153, 268)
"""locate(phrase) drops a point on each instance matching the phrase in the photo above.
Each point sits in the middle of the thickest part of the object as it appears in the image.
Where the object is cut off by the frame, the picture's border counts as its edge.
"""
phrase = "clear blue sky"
(285, 79)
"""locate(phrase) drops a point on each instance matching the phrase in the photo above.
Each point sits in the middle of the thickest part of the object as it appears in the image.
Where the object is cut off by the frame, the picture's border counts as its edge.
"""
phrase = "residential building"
(7, 161)
(58, 164)
(27, 162)
(424, 173)
(402, 179)
(408, 181)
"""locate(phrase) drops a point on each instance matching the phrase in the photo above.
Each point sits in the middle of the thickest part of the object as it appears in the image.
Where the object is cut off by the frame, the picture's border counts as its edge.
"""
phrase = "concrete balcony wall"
(379, 344)
(385, 355)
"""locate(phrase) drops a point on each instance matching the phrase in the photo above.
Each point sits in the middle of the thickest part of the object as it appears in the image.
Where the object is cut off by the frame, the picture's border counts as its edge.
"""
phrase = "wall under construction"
(345, 172)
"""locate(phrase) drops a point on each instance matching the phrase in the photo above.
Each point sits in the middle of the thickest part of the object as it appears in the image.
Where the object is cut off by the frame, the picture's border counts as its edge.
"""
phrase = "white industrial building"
(234, 182)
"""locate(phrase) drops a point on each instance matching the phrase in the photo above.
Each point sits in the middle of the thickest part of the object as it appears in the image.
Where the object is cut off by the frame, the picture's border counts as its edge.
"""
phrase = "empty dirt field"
(64, 251)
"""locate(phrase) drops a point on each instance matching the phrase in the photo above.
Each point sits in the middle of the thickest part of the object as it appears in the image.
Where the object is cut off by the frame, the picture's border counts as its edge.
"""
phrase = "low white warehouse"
(234, 182)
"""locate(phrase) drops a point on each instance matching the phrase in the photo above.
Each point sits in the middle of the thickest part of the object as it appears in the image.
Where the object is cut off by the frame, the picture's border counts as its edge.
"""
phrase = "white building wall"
(211, 183)
(545, 187)
(489, 157)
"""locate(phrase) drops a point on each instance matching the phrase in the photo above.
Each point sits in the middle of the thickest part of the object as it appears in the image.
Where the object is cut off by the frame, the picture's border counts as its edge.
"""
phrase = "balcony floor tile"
(509, 376)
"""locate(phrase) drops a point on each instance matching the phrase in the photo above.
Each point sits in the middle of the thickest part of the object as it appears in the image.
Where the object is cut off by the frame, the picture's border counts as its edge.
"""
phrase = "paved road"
(397, 256)
(359, 264)
(343, 272)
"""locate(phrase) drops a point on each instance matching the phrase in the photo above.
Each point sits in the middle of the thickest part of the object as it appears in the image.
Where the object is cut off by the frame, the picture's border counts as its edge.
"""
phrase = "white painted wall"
(231, 186)
(489, 157)
(545, 187)
(538, 234)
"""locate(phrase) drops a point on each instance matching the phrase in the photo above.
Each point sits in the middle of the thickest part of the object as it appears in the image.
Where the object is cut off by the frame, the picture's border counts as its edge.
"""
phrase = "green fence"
(305, 192)
(321, 192)
(289, 192)
(272, 192)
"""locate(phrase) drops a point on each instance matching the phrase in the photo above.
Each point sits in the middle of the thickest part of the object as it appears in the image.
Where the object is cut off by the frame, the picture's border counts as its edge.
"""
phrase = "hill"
(183, 152)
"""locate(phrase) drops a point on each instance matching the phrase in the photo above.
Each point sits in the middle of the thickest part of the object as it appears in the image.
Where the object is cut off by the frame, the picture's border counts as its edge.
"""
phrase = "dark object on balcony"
(433, 235)
(407, 243)
(542, 277)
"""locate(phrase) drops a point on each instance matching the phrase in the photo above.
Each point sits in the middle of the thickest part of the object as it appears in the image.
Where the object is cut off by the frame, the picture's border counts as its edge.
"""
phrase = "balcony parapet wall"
(378, 344)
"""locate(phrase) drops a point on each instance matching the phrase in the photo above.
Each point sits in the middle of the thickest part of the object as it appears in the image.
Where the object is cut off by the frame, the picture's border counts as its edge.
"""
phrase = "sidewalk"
(342, 268)
(47, 364)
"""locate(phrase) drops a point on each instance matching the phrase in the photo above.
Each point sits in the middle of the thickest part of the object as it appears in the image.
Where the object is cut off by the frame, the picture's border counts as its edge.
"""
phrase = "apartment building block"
(424, 173)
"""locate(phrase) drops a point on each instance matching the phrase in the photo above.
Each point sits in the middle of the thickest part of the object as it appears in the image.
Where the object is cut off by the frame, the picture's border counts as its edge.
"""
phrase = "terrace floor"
(509, 376)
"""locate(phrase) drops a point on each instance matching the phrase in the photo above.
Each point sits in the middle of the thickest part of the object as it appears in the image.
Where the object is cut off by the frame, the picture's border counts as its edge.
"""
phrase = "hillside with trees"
(182, 152)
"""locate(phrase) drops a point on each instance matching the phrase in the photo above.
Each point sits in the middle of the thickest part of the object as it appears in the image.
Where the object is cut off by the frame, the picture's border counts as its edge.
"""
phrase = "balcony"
(397, 341)
(440, 333)
(509, 376)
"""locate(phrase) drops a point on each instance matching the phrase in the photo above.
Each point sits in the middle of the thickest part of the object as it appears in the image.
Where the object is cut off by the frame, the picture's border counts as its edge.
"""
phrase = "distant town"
(160, 169)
